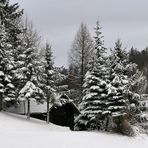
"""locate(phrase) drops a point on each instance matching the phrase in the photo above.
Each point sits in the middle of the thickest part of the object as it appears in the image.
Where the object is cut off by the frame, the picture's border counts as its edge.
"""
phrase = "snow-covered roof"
(35, 107)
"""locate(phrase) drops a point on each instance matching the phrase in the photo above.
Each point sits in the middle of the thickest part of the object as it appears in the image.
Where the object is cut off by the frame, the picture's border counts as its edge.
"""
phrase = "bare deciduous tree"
(81, 53)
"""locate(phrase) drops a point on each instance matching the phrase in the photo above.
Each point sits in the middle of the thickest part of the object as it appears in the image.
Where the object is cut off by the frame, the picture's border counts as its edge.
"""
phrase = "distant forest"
(140, 57)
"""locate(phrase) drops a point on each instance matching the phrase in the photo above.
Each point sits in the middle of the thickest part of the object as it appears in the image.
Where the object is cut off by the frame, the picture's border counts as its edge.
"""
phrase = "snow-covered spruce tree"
(10, 18)
(99, 42)
(31, 89)
(27, 65)
(26, 55)
(131, 86)
(7, 88)
(94, 105)
(49, 77)
(2, 65)
(137, 96)
(118, 101)
(134, 92)
(47, 80)
(9, 15)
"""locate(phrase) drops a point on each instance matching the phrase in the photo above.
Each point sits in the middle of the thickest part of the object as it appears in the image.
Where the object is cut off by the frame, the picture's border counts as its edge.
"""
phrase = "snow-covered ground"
(17, 132)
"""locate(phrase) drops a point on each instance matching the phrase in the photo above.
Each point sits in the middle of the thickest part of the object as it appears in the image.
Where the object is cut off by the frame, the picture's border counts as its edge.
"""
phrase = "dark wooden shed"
(63, 112)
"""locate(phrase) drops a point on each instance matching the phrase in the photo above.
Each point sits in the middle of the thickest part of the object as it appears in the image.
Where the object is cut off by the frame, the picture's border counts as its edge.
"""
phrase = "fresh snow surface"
(17, 132)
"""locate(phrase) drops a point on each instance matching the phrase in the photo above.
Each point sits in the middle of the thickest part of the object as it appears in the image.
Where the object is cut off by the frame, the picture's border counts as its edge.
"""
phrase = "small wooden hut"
(63, 112)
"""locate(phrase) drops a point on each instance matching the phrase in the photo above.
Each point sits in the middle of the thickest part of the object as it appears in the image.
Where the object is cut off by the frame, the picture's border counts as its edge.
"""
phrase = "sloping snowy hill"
(17, 132)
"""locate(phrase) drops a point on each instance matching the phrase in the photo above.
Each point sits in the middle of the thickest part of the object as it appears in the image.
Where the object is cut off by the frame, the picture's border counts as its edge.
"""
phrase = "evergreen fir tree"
(95, 90)
(2, 65)
(118, 101)
(49, 78)
(9, 14)
(118, 75)
(26, 70)
(137, 94)
(49, 87)
(26, 61)
(7, 88)
(99, 42)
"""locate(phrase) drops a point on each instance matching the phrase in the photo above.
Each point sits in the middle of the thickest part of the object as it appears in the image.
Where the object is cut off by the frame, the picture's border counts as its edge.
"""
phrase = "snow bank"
(17, 132)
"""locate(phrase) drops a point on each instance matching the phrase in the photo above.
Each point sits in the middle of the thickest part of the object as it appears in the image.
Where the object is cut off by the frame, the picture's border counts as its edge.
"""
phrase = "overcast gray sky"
(58, 21)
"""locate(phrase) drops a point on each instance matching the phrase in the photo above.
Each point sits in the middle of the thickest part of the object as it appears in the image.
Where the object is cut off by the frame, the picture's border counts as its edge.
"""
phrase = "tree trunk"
(24, 103)
(82, 65)
(28, 109)
(48, 110)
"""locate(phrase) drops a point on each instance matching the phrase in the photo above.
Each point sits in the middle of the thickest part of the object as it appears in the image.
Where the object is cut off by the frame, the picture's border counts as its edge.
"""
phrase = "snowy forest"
(108, 86)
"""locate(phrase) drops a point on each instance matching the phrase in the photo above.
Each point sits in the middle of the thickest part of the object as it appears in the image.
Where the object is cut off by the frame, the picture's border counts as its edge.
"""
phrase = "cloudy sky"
(58, 21)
